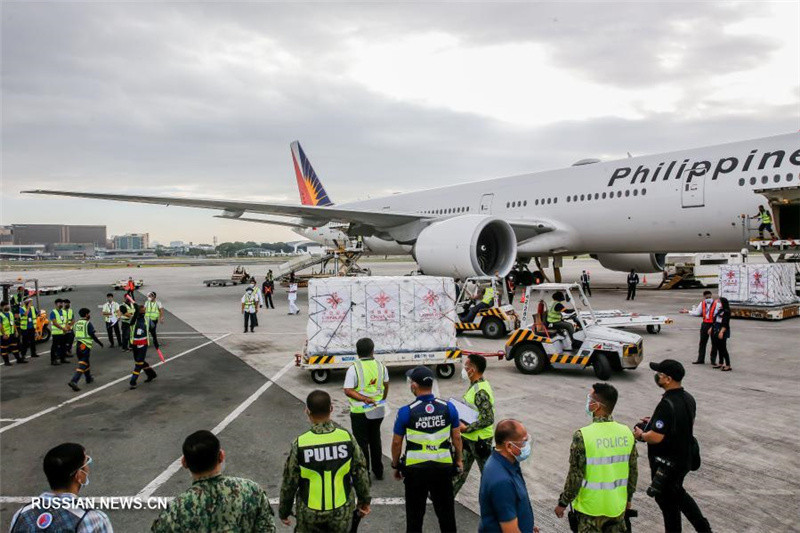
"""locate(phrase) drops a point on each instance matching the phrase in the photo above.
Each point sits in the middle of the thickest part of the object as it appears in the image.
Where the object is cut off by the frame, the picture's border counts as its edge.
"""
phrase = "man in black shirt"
(669, 435)
(633, 281)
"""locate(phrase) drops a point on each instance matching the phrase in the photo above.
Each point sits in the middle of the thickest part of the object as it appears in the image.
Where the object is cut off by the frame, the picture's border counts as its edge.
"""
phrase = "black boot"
(73, 386)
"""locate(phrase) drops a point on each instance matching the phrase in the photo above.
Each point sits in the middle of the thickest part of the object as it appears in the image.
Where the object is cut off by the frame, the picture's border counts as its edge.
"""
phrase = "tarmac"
(246, 388)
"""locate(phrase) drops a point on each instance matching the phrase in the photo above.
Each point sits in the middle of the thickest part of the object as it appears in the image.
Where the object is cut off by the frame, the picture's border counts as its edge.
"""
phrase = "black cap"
(671, 368)
(421, 375)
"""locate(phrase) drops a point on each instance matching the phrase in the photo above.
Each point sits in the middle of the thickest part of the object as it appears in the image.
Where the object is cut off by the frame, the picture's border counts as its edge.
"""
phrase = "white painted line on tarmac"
(170, 471)
(8, 419)
(74, 399)
(24, 500)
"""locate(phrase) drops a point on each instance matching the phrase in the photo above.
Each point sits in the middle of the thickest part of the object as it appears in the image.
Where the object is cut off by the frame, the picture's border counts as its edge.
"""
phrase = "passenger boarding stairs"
(345, 260)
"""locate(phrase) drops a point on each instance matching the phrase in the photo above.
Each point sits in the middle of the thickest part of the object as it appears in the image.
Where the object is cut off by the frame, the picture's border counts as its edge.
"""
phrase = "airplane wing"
(290, 222)
(312, 215)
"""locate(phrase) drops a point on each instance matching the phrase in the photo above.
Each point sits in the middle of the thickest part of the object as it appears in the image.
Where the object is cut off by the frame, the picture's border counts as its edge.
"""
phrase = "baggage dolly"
(615, 318)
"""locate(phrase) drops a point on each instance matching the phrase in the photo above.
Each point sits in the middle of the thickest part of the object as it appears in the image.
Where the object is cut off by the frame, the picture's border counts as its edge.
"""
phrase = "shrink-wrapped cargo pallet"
(764, 284)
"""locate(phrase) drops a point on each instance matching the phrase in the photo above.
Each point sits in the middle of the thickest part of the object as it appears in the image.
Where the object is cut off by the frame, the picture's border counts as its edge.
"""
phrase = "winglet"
(311, 190)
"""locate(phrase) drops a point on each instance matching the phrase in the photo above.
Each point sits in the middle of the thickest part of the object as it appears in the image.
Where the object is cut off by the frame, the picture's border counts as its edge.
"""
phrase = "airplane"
(628, 213)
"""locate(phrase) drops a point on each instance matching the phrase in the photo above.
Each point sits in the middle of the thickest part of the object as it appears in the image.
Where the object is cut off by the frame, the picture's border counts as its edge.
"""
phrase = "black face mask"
(655, 378)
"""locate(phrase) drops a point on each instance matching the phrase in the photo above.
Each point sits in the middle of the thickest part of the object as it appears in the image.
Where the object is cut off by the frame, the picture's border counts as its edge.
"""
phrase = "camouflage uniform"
(577, 467)
(468, 455)
(336, 520)
(218, 503)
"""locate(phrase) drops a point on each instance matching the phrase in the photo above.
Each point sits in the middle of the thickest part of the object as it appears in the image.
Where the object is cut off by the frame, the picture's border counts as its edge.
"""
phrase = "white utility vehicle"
(494, 321)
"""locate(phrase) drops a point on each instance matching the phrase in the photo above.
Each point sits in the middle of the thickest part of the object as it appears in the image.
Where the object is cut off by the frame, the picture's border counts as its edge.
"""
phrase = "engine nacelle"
(638, 262)
(465, 246)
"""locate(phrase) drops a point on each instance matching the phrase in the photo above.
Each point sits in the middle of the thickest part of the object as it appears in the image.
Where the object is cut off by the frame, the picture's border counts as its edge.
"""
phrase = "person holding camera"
(603, 470)
(671, 448)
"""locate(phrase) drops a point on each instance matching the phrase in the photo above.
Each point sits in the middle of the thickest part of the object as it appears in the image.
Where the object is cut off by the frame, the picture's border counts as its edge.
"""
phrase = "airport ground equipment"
(691, 271)
(340, 261)
(238, 277)
(535, 348)
(494, 322)
(122, 283)
(616, 318)
(763, 291)
(32, 290)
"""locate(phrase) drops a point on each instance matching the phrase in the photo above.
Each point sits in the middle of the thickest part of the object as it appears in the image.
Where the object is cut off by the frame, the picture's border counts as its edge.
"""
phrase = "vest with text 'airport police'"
(428, 434)
(604, 490)
(325, 461)
(81, 330)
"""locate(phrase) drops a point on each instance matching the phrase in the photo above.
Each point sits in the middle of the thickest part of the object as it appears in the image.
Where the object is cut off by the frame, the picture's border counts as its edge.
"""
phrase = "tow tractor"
(32, 290)
(120, 284)
(537, 347)
(239, 276)
(495, 321)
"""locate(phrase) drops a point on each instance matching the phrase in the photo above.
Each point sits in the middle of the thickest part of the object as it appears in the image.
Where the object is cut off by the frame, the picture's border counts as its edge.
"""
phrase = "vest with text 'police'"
(325, 461)
(428, 434)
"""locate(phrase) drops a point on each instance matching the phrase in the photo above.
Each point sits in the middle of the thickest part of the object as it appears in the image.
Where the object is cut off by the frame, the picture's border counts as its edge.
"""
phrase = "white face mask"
(464, 374)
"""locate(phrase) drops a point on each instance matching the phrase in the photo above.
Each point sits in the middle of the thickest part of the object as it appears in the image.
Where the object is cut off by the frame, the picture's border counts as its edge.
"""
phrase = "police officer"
(69, 335)
(603, 470)
(85, 337)
(140, 340)
(476, 437)
(365, 384)
(433, 452)
(766, 223)
(27, 328)
(58, 330)
(633, 281)
(154, 312)
(8, 333)
(325, 466)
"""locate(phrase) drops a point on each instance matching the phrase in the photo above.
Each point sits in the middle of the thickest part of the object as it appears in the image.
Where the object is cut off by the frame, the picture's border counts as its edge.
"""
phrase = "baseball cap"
(671, 368)
(421, 375)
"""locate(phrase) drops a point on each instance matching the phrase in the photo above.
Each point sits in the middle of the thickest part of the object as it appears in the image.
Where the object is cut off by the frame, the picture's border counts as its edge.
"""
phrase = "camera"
(661, 477)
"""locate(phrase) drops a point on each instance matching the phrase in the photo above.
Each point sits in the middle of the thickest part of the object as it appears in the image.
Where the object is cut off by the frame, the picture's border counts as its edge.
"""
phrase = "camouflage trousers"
(335, 521)
(601, 524)
(469, 457)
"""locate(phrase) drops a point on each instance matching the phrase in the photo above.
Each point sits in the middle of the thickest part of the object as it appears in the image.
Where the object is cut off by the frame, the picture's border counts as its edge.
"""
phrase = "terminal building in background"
(132, 241)
(50, 234)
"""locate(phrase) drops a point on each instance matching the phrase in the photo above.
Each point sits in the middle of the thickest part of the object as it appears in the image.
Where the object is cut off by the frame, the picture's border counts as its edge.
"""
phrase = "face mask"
(524, 452)
(464, 374)
(655, 378)
(588, 409)
(85, 473)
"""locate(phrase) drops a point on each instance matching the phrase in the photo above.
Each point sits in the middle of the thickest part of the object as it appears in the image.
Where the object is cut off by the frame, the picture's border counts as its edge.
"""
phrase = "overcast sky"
(203, 100)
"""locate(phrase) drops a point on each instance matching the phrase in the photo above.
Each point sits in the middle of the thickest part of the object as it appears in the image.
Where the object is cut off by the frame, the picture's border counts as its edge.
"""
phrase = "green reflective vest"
(469, 398)
(765, 217)
(553, 316)
(69, 315)
(604, 490)
(59, 324)
(151, 310)
(81, 330)
(27, 315)
(7, 325)
(488, 296)
(325, 460)
(369, 382)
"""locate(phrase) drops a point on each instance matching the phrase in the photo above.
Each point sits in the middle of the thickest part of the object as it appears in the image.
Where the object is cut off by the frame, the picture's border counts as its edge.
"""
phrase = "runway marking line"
(173, 468)
(74, 399)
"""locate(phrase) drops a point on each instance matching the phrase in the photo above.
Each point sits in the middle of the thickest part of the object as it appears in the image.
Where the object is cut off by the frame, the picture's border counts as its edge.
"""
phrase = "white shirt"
(250, 301)
(292, 290)
(113, 308)
(350, 377)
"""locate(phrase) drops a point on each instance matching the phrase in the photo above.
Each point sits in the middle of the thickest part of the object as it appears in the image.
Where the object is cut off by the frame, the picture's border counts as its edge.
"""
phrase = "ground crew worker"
(125, 314)
(603, 471)
(130, 287)
(633, 281)
(69, 335)
(16, 301)
(766, 223)
(292, 295)
(27, 328)
(85, 336)
(140, 340)
(8, 333)
(586, 283)
(555, 317)
(58, 333)
(433, 452)
(486, 301)
(154, 312)
(250, 308)
(706, 309)
(268, 287)
(365, 384)
(476, 437)
(111, 317)
(324, 468)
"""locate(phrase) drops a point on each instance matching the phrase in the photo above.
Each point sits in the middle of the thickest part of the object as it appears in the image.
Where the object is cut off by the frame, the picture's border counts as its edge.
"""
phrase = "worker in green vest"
(765, 220)
(85, 337)
(476, 436)
(154, 313)
(485, 301)
(9, 343)
(69, 322)
(603, 471)
(27, 328)
(16, 301)
(555, 318)
(324, 468)
(58, 330)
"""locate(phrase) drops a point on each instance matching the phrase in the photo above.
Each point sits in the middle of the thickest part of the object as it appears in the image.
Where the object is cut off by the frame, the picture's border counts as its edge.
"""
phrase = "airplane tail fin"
(311, 190)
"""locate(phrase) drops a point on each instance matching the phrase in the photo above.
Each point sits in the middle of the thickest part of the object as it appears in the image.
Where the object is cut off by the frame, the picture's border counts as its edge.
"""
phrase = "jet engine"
(638, 262)
(467, 245)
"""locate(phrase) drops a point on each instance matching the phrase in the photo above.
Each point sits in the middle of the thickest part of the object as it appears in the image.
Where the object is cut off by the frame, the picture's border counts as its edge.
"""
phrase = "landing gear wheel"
(602, 368)
(45, 335)
(492, 328)
(445, 371)
(530, 359)
(655, 329)
(320, 376)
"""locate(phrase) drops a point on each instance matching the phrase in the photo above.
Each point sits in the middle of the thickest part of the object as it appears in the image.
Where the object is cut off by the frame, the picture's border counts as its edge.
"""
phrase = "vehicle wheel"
(530, 359)
(445, 371)
(320, 376)
(208, 284)
(492, 328)
(655, 329)
(602, 368)
(45, 334)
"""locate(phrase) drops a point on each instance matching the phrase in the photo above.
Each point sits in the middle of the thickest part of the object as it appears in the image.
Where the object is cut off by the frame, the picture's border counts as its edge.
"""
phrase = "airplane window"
(789, 177)
(525, 203)
(596, 195)
(588, 197)
(603, 196)
(568, 198)
(644, 191)
(636, 192)
(548, 200)
(627, 193)
(752, 181)
(575, 198)
(508, 204)
(741, 182)
(582, 197)
(555, 200)
(777, 178)
(619, 194)
(764, 179)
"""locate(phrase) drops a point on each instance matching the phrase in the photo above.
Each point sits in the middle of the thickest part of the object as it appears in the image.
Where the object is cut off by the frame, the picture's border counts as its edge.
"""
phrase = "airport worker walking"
(765, 219)
(671, 448)
(27, 328)
(250, 308)
(154, 312)
(365, 384)
(586, 283)
(58, 330)
(706, 309)
(504, 501)
(477, 436)
(130, 287)
(69, 336)
(214, 502)
(430, 428)
(720, 332)
(125, 316)
(268, 287)
(111, 316)
(85, 337)
(9, 340)
(292, 295)
(633, 281)
(324, 469)
(603, 469)
(67, 467)
(140, 340)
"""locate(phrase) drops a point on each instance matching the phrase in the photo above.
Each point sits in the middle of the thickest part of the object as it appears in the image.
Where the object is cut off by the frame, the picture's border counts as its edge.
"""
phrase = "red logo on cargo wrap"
(334, 300)
(757, 279)
(382, 299)
(731, 274)
(431, 298)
